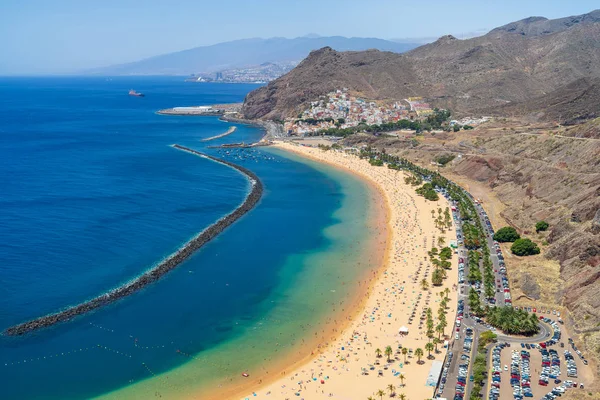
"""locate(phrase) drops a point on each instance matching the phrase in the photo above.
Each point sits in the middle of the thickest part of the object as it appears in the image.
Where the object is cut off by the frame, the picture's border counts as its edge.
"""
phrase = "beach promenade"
(348, 367)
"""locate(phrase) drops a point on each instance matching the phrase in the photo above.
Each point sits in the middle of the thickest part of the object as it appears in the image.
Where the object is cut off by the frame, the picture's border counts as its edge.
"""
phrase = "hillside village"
(340, 109)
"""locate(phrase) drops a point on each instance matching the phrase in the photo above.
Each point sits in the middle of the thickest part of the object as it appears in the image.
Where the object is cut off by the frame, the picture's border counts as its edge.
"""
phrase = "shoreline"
(281, 386)
(332, 329)
(165, 266)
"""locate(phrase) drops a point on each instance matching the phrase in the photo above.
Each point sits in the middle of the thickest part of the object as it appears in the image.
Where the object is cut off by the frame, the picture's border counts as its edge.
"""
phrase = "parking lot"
(542, 370)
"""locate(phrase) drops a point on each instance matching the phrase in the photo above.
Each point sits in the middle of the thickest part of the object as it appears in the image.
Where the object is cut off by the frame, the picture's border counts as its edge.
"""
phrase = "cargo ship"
(136, 94)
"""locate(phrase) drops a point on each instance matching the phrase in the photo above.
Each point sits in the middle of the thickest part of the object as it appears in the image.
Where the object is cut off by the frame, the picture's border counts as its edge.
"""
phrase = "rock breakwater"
(228, 132)
(163, 267)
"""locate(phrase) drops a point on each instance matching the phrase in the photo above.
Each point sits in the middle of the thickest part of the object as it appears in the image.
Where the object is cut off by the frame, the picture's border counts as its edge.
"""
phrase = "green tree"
(541, 226)
(437, 277)
(446, 254)
(419, 354)
(389, 352)
(392, 390)
(402, 377)
(404, 353)
(440, 330)
(424, 284)
(429, 347)
(402, 396)
(378, 352)
(506, 234)
(524, 247)
(428, 192)
(436, 341)
(380, 393)
(456, 128)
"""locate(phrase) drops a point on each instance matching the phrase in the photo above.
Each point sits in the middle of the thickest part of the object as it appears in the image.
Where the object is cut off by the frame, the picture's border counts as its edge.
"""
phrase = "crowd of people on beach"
(349, 366)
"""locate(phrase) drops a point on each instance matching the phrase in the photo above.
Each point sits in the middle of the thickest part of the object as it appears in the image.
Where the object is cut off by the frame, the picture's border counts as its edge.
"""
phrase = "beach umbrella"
(403, 329)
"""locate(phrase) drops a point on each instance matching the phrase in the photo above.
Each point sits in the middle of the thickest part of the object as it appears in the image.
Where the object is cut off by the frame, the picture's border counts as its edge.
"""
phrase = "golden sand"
(337, 370)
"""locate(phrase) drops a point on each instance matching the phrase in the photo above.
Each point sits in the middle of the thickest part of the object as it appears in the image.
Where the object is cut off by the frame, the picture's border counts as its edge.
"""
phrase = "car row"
(468, 342)
(444, 377)
(550, 367)
(578, 352)
(571, 365)
(494, 392)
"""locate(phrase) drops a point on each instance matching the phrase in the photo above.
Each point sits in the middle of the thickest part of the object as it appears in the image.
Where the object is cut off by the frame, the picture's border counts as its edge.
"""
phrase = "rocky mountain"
(245, 53)
(511, 64)
(539, 26)
(571, 104)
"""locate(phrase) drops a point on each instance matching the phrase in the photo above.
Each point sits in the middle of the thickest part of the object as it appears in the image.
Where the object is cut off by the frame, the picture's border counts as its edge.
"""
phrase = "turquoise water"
(92, 195)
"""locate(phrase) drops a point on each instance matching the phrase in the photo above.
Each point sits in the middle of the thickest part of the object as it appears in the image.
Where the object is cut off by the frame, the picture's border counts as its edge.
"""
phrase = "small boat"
(245, 375)
(136, 94)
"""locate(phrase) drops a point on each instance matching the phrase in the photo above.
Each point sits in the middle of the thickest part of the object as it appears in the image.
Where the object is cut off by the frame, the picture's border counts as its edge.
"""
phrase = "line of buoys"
(121, 353)
(48, 357)
(163, 267)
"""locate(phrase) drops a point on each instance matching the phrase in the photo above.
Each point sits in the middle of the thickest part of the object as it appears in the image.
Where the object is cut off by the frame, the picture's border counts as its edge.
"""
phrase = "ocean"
(92, 195)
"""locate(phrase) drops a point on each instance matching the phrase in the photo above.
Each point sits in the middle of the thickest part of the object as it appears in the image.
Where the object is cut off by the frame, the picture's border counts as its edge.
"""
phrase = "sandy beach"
(348, 367)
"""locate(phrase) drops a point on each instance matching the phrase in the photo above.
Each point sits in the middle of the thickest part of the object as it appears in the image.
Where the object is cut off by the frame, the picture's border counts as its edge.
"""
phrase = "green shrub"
(524, 247)
(506, 234)
(541, 226)
(444, 159)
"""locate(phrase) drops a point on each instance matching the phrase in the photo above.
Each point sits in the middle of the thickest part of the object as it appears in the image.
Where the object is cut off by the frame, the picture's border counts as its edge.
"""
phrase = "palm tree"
(440, 330)
(436, 341)
(419, 354)
(404, 353)
(380, 393)
(392, 390)
(370, 398)
(424, 284)
(389, 352)
(402, 377)
(378, 352)
(402, 396)
(429, 348)
(441, 241)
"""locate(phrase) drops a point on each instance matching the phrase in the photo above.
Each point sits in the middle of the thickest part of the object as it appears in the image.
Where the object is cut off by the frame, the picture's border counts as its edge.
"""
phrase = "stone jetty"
(159, 270)
(228, 132)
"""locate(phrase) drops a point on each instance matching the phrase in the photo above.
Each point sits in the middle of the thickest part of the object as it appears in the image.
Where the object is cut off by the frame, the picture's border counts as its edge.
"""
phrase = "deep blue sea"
(92, 195)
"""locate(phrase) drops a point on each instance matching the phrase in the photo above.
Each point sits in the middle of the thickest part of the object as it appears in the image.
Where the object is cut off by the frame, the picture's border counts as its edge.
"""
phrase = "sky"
(67, 36)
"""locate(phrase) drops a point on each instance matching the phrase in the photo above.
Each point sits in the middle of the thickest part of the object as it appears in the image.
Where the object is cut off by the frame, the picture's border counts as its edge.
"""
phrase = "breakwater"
(228, 132)
(163, 267)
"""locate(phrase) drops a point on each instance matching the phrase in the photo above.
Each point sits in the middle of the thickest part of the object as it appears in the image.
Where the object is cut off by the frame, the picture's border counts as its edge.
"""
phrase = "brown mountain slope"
(501, 67)
(570, 104)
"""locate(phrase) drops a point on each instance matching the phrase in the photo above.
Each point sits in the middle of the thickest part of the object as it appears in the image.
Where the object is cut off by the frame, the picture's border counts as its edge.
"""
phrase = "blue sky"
(60, 36)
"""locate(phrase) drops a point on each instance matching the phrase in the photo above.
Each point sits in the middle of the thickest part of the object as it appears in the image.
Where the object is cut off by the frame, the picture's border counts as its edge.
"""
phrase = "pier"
(163, 267)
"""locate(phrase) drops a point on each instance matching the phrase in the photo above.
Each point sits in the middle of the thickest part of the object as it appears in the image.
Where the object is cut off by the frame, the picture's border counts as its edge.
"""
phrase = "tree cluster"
(428, 192)
(513, 322)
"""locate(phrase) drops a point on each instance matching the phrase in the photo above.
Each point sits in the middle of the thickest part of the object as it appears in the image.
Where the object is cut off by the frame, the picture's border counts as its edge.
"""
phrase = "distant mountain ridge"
(511, 64)
(245, 53)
